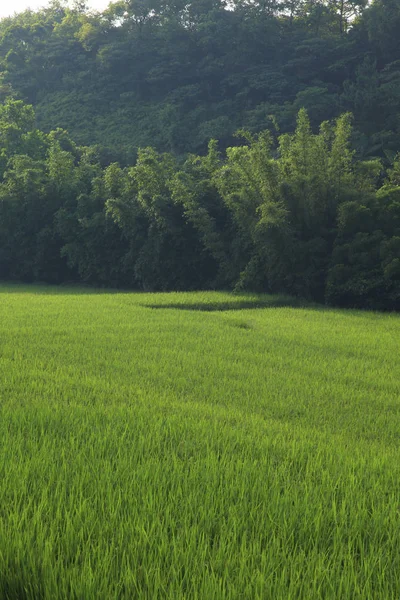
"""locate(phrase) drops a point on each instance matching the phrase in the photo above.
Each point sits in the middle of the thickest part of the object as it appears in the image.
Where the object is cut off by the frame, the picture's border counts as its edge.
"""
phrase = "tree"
(195, 189)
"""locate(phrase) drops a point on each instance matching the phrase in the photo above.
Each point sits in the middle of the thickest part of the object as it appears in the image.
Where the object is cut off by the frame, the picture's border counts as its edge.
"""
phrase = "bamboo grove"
(297, 213)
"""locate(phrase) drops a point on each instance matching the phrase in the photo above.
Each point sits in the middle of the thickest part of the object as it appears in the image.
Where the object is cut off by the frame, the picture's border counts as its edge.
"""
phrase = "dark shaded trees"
(298, 213)
(172, 73)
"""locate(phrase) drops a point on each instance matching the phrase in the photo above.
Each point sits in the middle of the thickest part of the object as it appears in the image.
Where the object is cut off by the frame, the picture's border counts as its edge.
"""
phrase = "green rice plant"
(223, 446)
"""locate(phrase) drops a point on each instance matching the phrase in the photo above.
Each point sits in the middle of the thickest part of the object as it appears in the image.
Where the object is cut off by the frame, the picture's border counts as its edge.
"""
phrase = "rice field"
(201, 446)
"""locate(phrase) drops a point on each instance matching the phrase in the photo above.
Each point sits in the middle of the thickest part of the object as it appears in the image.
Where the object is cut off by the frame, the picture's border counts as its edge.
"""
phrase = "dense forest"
(173, 73)
(109, 169)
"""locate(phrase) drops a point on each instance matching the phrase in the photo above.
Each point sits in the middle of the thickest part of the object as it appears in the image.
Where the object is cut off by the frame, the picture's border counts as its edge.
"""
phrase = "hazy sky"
(9, 7)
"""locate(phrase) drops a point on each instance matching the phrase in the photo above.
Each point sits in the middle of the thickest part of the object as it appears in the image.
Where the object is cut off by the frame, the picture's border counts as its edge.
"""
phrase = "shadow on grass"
(238, 302)
(234, 305)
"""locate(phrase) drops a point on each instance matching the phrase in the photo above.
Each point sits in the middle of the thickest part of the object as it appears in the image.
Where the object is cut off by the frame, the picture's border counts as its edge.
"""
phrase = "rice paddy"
(201, 446)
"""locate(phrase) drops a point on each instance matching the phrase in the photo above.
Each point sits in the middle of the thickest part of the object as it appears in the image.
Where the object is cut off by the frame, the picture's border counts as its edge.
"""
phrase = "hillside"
(303, 200)
(172, 74)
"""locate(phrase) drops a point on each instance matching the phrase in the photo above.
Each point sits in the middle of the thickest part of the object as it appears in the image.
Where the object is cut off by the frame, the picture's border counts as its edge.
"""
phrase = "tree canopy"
(110, 172)
(174, 73)
(299, 213)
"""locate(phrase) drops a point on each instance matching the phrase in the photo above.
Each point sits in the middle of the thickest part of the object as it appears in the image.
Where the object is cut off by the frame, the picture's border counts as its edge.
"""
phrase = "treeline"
(295, 213)
(174, 73)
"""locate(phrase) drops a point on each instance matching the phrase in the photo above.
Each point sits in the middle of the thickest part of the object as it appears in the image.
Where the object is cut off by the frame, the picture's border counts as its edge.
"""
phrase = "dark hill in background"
(173, 73)
(139, 194)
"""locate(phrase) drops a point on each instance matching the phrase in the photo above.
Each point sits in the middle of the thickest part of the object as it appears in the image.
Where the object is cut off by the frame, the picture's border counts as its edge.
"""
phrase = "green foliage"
(141, 202)
(194, 188)
(366, 259)
(300, 215)
(173, 74)
(286, 206)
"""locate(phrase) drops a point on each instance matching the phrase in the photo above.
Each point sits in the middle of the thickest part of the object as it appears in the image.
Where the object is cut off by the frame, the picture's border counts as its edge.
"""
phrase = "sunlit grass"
(219, 452)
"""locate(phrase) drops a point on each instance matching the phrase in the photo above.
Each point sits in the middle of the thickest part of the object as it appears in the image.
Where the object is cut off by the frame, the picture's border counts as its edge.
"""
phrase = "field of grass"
(199, 446)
